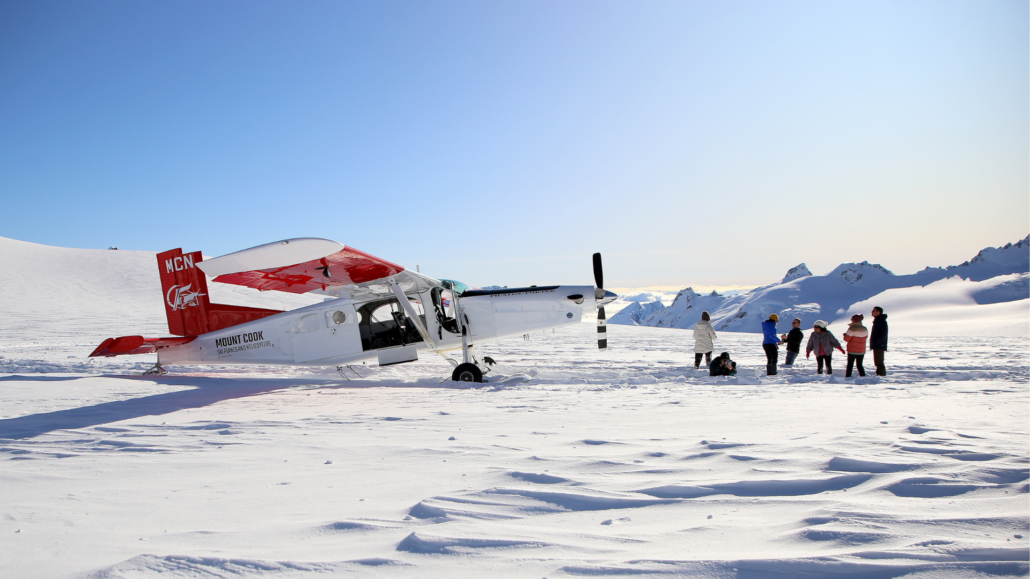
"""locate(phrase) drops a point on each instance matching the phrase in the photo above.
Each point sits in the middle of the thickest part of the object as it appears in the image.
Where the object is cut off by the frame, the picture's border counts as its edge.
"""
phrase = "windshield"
(455, 286)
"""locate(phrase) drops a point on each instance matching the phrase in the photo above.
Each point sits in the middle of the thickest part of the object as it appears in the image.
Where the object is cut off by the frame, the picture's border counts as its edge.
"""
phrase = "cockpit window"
(455, 286)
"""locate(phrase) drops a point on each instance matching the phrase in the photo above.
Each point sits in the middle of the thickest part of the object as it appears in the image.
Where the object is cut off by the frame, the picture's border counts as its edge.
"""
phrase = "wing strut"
(403, 299)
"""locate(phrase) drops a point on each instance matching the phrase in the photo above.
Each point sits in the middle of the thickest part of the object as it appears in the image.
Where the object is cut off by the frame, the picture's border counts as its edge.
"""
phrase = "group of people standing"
(821, 341)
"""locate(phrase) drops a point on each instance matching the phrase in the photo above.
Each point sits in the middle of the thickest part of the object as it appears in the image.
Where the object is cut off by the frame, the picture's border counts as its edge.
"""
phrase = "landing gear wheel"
(467, 373)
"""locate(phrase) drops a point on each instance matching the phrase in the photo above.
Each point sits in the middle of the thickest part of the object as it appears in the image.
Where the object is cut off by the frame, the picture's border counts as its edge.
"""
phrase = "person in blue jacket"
(878, 340)
(769, 342)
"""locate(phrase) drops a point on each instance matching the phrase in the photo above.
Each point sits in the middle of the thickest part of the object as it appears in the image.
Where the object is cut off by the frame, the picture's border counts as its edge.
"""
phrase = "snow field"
(569, 462)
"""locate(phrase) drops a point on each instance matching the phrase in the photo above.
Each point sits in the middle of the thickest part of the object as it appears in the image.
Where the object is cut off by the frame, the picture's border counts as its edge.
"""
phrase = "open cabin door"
(326, 333)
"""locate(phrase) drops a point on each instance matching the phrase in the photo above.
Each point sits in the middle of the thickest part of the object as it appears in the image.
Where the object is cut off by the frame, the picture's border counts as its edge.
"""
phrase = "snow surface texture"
(568, 463)
(941, 306)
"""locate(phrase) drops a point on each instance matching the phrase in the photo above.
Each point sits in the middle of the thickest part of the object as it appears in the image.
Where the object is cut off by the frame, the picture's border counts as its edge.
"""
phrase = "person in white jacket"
(704, 340)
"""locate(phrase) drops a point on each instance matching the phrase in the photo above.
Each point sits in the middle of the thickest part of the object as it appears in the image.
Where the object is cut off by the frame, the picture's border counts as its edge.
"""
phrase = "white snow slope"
(568, 463)
(835, 296)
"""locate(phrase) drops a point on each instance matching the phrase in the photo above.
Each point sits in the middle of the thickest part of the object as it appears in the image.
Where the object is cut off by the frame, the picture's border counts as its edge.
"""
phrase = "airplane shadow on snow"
(205, 391)
(38, 378)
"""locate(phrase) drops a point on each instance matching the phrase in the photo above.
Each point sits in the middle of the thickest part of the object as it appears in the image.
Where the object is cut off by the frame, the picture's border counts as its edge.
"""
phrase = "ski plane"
(373, 310)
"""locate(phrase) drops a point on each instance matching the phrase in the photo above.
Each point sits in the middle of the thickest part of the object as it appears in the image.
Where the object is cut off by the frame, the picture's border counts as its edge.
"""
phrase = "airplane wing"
(309, 265)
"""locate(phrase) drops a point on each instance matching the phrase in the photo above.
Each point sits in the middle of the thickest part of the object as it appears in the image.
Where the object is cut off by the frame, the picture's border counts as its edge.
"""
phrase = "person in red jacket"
(856, 337)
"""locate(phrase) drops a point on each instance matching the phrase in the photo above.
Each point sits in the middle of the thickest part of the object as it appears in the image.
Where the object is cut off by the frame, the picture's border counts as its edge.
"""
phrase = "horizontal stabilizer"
(126, 345)
(222, 316)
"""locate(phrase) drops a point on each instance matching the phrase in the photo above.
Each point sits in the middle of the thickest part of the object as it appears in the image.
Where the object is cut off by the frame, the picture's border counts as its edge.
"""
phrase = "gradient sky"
(692, 143)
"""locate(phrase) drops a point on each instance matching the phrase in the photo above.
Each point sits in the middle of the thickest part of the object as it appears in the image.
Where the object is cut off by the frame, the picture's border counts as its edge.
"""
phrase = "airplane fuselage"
(344, 330)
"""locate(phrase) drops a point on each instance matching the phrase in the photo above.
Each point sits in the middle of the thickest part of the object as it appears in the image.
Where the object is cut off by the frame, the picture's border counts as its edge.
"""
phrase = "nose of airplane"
(607, 298)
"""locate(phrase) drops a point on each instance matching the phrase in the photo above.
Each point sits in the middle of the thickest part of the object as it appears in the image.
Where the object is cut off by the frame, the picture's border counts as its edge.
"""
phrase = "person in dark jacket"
(722, 366)
(769, 343)
(793, 340)
(878, 340)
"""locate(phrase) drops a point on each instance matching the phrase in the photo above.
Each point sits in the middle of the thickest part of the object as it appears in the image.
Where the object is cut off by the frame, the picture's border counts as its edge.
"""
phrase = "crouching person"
(722, 366)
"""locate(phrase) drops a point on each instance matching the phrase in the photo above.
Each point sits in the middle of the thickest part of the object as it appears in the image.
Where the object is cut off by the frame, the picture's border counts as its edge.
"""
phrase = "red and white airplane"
(373, 309)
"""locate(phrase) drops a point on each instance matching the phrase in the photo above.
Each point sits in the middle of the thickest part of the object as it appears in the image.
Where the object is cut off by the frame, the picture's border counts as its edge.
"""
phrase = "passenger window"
(308, 323)
(335, 318)
(384, 313)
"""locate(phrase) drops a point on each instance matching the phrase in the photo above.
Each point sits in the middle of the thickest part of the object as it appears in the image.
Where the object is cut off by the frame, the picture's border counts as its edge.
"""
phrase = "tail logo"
(180, 297)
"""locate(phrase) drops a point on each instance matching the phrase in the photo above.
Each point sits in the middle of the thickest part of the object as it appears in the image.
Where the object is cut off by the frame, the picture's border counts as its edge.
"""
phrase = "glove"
(808, 354)
(842, 350)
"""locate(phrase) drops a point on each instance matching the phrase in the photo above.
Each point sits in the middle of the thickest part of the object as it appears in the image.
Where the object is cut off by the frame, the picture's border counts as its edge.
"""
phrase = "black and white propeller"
(599, 294)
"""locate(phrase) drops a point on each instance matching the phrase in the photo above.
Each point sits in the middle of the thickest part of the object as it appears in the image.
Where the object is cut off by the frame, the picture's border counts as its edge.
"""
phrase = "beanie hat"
(774, 317)
(821, 324)
(857, 318)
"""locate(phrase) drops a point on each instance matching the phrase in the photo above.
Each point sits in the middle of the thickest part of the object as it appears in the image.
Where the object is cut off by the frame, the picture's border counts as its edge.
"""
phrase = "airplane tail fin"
(184, 288)
(187, 305)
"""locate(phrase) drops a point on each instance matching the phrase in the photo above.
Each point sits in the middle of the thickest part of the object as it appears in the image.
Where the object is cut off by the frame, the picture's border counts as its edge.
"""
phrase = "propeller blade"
(598, 272)
(602, 333)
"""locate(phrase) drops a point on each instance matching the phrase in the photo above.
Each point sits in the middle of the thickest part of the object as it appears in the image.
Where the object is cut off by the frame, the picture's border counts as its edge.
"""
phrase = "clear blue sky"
(705, 143)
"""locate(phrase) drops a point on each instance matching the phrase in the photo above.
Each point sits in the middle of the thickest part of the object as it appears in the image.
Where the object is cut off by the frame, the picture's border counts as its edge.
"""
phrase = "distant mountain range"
(800, 294)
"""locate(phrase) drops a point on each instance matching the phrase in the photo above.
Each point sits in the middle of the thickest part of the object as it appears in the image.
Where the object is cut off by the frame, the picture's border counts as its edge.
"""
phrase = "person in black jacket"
(722, 366)
(793, 340)
(878, 340)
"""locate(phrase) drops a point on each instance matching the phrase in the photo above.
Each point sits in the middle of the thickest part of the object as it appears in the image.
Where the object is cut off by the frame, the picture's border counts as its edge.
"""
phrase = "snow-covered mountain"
(835, 295)
(636, 312)
(688, 304)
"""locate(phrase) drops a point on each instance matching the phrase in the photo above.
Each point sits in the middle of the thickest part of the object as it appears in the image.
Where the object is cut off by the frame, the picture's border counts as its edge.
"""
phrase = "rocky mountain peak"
(796, 272)
(1009, 252)
(853, 273)
(687, 295)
